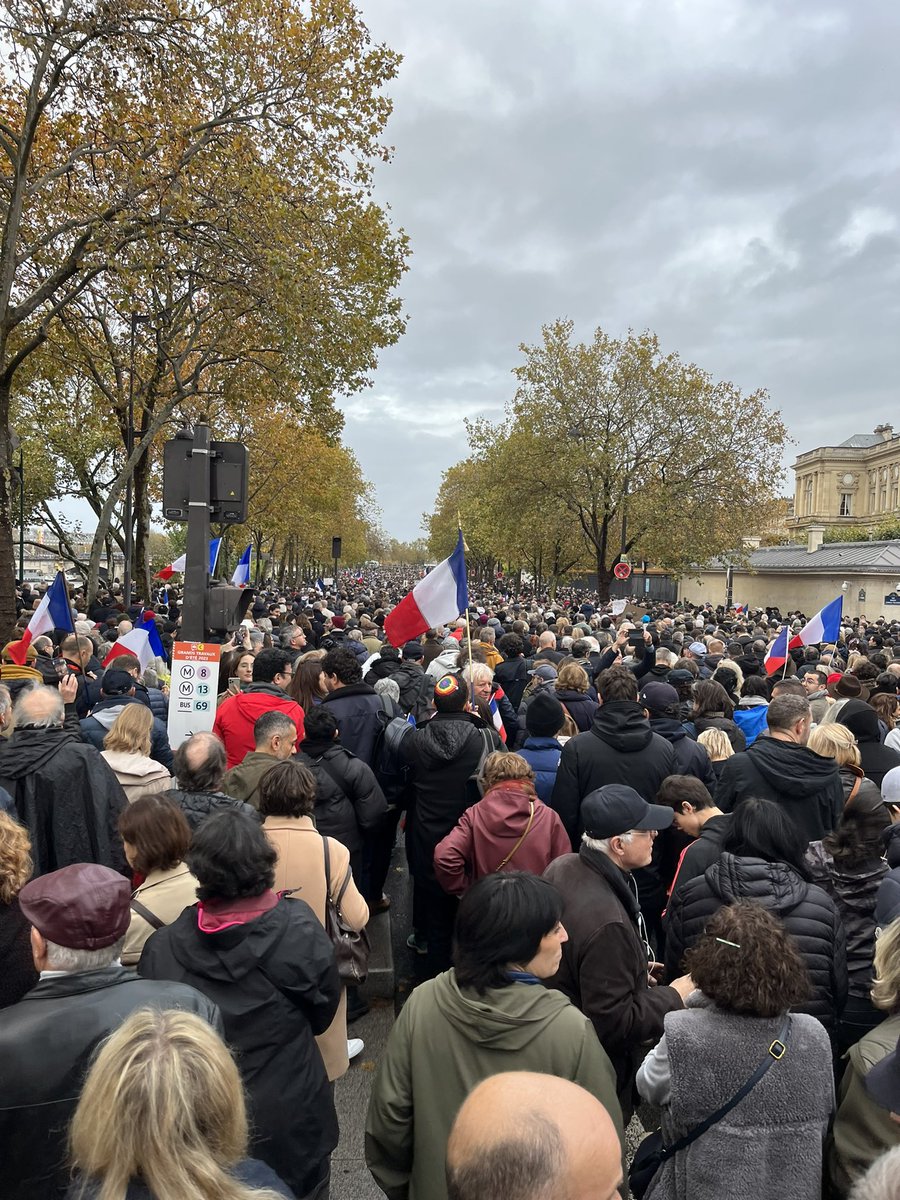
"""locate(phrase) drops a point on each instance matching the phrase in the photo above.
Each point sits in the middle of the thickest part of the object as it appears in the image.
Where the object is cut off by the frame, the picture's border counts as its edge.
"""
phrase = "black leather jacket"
(46, 1043)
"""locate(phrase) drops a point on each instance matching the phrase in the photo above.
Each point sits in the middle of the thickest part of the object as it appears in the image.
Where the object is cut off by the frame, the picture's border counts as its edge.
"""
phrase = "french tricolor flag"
(440, 597)
(241, 576)
(825, 626)
(181, 562)
(778, 652)
(53, 612)
(143, 642)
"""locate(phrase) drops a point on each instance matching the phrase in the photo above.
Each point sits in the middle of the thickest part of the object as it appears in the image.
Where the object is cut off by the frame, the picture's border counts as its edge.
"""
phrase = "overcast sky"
(723, 172)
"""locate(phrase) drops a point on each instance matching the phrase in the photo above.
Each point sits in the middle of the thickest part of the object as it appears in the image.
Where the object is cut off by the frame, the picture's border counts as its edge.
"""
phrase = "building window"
(894, 496)
(872, 501)
(883, 504)
(846, 504)
(808, 506)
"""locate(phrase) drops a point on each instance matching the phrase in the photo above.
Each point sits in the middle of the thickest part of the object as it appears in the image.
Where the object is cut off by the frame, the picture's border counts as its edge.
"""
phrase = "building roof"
(860, 441)
(875, 558)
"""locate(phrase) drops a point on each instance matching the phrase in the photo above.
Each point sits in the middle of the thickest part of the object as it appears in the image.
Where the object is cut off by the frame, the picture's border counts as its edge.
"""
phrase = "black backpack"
(390, 770)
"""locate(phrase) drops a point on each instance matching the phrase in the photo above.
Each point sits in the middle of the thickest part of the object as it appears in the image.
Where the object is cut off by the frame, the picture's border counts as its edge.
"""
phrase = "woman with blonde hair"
(572, 691)
(126, 748)
(718, 747)
(17, 973)
(162, 1116)
(862, 1131)
(837, 742)
(509, 829)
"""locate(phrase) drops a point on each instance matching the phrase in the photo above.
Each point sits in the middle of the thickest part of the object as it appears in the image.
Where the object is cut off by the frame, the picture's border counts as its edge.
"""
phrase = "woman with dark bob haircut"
(714, 710)
(268, 964)
(489, 1013)
(155, 835)
(287, 796)
(749, 975)
(763, 860)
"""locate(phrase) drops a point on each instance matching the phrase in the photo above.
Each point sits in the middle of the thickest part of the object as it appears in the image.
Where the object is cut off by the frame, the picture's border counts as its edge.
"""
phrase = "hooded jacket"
(95, 727)
(447, 1040)
(731, 730)
(580, 706)
(806, 785)
(620, 747)
(806, 910)
(276, 984)
(236, 716)
(751, 719)
(490, 831)
(66, 796)
(690, 757)
(854, 893)
(442, 755)
(887, 903)
(876, 759)
(445, 663)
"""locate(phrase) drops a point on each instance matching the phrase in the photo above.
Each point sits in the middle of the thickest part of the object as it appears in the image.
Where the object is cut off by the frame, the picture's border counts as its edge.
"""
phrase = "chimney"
(815, 536)
(885, 431)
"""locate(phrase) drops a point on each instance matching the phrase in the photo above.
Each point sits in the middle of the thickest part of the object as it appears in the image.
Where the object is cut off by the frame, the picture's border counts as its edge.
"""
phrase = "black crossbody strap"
(143, 911)
(776, 1051)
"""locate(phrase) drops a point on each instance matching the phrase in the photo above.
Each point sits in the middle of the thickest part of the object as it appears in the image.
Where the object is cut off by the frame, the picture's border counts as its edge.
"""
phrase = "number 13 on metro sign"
(193, 689)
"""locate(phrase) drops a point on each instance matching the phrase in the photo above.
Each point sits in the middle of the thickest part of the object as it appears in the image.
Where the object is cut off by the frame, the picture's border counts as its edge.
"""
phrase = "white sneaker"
(355, 1046)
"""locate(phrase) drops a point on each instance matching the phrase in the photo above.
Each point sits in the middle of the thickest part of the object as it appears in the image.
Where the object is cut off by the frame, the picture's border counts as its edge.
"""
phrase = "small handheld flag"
(241, 576)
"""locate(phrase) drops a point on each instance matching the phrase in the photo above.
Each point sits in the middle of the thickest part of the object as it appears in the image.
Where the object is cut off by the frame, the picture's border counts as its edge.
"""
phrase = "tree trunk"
(7, 550)
(604, 578)
(141, 510)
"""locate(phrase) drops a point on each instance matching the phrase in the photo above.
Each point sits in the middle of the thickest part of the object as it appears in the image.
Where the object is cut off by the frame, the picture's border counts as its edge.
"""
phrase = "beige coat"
(166, 894)
(138, 775)
(301, 868)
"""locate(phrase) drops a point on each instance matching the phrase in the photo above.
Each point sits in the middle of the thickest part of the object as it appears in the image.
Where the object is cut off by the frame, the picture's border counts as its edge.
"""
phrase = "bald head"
(200, 763)
(40, 706)
(525, 1136)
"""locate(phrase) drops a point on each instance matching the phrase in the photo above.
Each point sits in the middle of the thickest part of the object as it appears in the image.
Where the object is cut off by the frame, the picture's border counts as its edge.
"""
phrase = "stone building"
(805, 576)
(855, 484)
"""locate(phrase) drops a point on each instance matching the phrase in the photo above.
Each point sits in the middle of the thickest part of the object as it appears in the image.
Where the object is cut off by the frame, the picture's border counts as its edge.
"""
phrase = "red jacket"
(237, 715)
(487, 832)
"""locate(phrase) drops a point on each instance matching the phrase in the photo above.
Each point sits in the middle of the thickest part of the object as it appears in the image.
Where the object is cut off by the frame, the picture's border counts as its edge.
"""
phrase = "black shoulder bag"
(652, 1154)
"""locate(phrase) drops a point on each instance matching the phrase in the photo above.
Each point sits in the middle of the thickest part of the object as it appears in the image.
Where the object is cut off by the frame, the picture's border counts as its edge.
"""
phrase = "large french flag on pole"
(441, 596)
(825, 626)
(778, 652)
(53, 612)
(143, 642)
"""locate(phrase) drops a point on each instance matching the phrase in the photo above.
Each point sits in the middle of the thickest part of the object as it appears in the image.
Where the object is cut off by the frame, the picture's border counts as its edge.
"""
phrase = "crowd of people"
(653, 887)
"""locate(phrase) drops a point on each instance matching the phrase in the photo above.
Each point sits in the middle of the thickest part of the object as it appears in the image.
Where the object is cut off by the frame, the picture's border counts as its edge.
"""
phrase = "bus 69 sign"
(195, 685)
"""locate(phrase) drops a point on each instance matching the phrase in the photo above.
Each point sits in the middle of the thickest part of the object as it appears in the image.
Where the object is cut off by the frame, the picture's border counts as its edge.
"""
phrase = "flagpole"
(468, 626)
(787, 652)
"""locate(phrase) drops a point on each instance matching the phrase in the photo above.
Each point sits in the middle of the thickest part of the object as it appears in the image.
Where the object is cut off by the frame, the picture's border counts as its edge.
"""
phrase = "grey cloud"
(726, 175)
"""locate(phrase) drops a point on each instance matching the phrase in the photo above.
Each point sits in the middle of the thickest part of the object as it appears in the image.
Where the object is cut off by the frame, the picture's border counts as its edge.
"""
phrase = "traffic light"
(226, 607)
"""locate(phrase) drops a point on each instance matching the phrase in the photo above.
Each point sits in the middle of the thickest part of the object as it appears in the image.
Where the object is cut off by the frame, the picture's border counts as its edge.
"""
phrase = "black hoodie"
(807, 786)
(620, 747)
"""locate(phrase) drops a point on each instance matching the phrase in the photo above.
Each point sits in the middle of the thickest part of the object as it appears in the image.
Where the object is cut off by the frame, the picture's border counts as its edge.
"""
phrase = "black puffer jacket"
(854, 892)
(806, 785)
(808, 913)
(887, 904)
(619, 748)
(349, 801)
